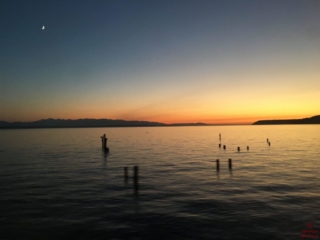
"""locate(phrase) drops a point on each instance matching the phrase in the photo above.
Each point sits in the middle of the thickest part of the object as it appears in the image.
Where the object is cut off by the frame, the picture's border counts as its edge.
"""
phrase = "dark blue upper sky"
(146, 56)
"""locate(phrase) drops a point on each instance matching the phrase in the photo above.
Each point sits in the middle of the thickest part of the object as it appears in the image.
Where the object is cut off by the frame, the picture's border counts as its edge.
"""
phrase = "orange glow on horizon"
(221, 120)
(169, 113)
(171, 119)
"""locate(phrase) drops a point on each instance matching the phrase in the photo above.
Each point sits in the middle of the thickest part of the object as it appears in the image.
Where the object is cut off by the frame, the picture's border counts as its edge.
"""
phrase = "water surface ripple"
(58, 184)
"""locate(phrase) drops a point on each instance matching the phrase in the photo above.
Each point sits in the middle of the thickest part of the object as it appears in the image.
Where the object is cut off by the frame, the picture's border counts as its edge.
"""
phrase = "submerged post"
(238, 149)
(219, 145)
(269, 143)
(218, 165)
(230, 163)
(247, 148)
(224, 147)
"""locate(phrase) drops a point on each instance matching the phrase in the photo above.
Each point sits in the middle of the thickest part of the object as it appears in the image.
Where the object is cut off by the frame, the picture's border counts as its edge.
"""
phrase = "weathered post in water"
(224, 147)
(238, 149)
(219, 145)
(247, 148)
(218, 165)
(104, 143)
(230, 164)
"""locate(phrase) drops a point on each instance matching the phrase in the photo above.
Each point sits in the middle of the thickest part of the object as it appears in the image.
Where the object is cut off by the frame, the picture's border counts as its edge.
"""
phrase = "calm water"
(57, 183)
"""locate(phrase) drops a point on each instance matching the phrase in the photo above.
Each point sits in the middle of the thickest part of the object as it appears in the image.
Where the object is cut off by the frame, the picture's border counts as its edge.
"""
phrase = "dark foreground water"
(57, 183)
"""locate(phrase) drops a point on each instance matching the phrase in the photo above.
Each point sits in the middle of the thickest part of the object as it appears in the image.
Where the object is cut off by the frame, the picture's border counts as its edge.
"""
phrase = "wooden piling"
(224, 147)
(219, 145)
(230, 163)
(247, 148)
(269, 143)
(218, 165)
(238, 149)
(104, 143)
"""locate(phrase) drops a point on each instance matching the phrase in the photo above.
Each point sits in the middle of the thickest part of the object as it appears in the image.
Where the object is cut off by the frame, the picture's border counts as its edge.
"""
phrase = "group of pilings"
(269, 143)
(218, 164)
(135, 176)
(136, 168)
(230, 160)
(126, 176)
(104, 143)
(238, 148)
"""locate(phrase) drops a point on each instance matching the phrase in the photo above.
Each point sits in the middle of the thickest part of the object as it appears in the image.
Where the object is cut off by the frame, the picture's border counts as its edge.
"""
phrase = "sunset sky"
(167, 61)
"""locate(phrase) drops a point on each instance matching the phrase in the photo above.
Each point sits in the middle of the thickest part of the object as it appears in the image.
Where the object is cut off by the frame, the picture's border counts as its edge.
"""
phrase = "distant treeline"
(81, 123)
(311, 120)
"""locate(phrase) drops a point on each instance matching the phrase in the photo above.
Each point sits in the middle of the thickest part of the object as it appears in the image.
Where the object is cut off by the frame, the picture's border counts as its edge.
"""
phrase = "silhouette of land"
(311, 120)
(82, 123)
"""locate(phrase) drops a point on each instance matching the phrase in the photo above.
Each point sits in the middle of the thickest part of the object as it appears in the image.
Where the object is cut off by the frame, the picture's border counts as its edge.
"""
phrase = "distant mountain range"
(82, 123)
(311, 120)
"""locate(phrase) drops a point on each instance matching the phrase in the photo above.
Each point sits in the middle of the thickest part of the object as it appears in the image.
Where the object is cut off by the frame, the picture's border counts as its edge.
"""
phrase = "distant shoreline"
(207, 125)
(109, 123)
(89, 123)
(311, 120)
(56, 127)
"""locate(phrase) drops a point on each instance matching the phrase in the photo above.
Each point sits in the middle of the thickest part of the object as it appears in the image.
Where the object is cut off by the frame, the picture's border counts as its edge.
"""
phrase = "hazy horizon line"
(194, 123)
(126, 120)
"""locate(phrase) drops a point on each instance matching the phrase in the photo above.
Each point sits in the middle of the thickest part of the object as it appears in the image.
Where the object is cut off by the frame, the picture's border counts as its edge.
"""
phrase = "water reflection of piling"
(247, 148)
(126, 174)
(102, 141)
(219, 145)
(136, 178)
(218, 165)
(230, 164)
